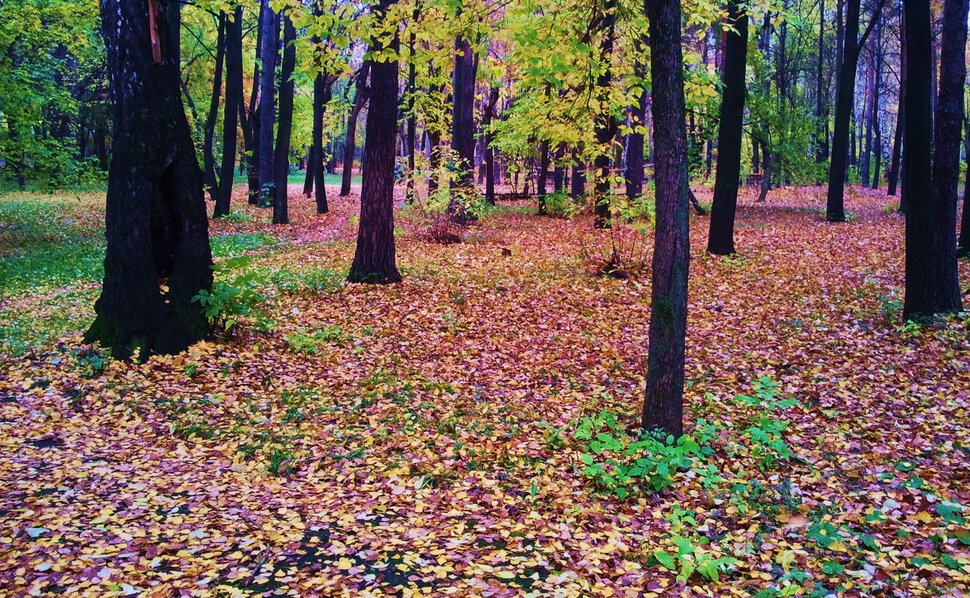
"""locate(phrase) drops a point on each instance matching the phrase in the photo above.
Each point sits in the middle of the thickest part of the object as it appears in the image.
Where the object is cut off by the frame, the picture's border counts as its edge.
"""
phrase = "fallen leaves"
(417, 438)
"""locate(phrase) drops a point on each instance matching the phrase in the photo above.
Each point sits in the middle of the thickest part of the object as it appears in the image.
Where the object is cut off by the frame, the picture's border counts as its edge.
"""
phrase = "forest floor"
(464, 432)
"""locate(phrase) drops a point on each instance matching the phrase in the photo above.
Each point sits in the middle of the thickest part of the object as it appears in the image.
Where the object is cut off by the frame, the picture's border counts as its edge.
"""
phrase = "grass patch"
(45, 243)
(239, 243)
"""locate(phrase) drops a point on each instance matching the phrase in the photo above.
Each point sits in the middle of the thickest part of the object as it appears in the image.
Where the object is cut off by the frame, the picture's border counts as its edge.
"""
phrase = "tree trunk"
(209, 160)
(845, 99)
(231, 112)
(606, 126)
(543, 175)
(350, 137)
(721, 238)
(876, 131)
(322, 93)
(895, 167)
(489, 150)
(158, 255)
(663, 403)
(374, 259)
(412, 132)
(281, 165)
(578, 183)
(634, 157)
(821, 132)
(269, 53)
(932, 283)
(463, 113)
(308, 175)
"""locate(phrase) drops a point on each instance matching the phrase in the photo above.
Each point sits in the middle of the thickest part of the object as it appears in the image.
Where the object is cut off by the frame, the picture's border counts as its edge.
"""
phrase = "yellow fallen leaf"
(344, 563)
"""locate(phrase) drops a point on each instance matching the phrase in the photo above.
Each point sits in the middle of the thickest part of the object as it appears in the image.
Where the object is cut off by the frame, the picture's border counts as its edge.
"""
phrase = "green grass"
(297, 177)
(239, 243)
(44, 245)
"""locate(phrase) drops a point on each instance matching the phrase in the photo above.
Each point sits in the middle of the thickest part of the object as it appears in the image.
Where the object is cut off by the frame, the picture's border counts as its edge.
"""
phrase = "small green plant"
(561, 205)
(229, 304)
(622, 465)
(236, 216)
(691, 553)
(910, 328)
(281, 462)
(890, 308)
(309, 342)
(91, 362)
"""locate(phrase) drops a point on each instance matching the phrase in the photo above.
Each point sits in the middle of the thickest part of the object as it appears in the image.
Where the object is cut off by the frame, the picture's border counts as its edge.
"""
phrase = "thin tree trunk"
(269, 53)
(209, 160)
(350, 137)
(895, 167)
(322, 93)
(231, 112)
(489, 150)
(634, 158)
(606, 126)
(721, 238)
(281, 166)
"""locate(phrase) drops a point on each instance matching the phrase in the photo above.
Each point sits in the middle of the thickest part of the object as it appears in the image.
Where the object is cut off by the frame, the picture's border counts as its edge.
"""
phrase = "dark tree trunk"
(434, 162)
(663, 404)
(821, 132)
(308, 175)
(281, 166)
(209, 160)
(606, 126)
(350, 137)
(721, 238)
(932, 284)
(322, 92)
(412, 131)
(845, 98)
(230, 115)
(463, 117)
(249, 119)
(489, 150)
(374, 260)
(964, 242)
(865, 124)
(578, 176)
(269, 53)
(558, 170)
(158, 255)
(895, 167)
(541, 184)
(876, 131)
(634, 152)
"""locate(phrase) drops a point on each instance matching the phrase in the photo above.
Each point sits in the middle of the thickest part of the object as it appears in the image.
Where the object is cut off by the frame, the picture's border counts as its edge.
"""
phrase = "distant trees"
(374, 259)
(845, 98)
(158, 255)
(663, 404)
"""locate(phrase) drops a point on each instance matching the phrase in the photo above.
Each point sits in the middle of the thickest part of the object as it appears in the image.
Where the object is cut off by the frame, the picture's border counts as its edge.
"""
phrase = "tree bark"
(895, 166)
(269, 53)
(281, 165)
(350, 137)
(663, 404)
(158, 256)
(322, 93)
(489, 150)
(209, 160)
(721, 238)
(463, 114)
(638, 121)
(932, 283)
(606, 126)
(374, 259)
(845, 99)
(231, 112)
